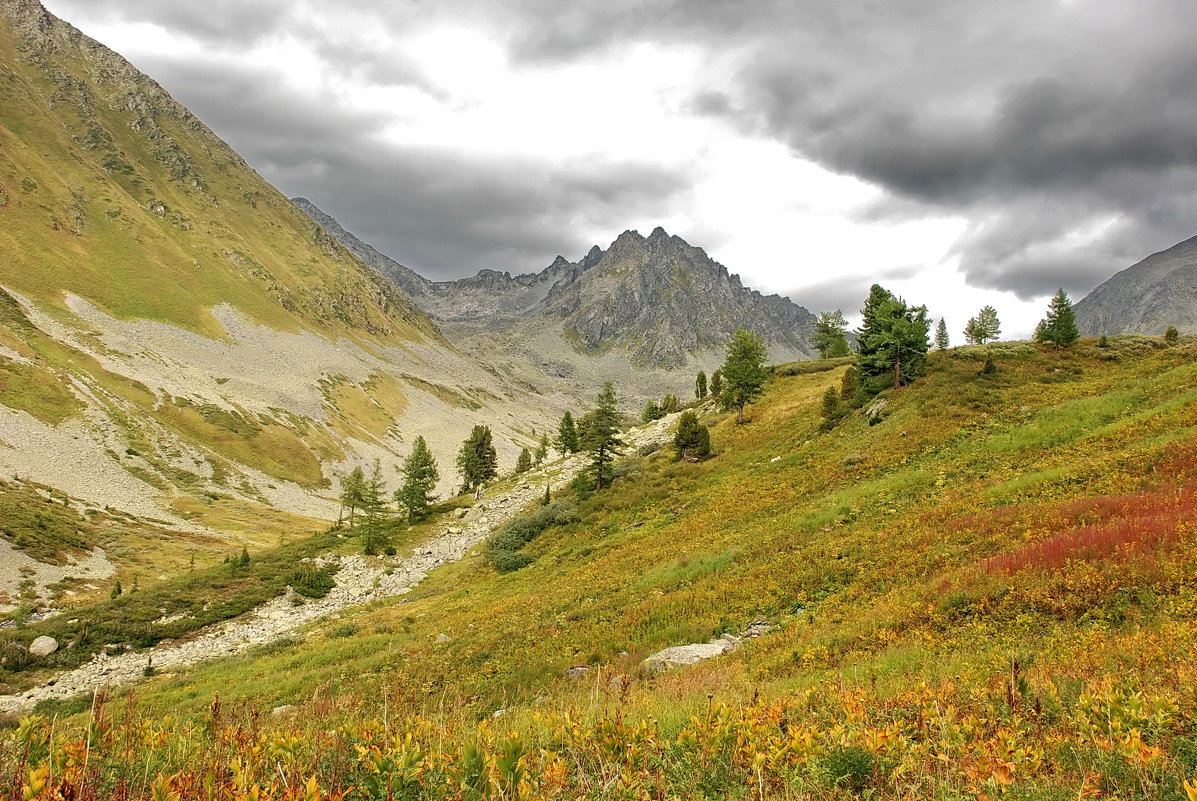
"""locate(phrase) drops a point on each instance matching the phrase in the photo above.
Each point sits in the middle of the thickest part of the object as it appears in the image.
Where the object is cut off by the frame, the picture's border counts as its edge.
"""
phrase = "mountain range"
(647, 311)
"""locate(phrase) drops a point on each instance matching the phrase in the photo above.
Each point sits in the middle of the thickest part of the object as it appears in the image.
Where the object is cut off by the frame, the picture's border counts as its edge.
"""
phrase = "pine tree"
(892, 341)
(983, 328)
(243, 560)
(567, 435)
(716, 385)
(700, 385)
(542, 450)
(1058, 328)
(692, 439)
(849, 385)
(419, 480)
(651, 412)
(670, 404)
(352, 487)
(116, 590)
(601, 439)
(743, 372)
(830, 336)
(548, 496)
(524, 463)
(1171, 335)
(374, 510)
(477, 461)
(941, 335)
(832, 409)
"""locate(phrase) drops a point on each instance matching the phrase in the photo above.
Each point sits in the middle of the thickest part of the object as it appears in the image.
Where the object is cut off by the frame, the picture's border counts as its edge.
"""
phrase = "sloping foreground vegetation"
(989, 593)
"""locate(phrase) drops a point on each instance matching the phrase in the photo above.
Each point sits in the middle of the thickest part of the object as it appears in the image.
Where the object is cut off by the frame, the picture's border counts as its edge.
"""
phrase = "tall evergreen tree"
(743, 372)
(1058, 328)
(524, 463)
(941, 335)
(419, 480)
(716, 385)
(670, 404)
(830, 336)
(567, 435)
(477, 461)
(352, 487)
(601, 439)
(651, 413)
(700, 385)
(374, 511)
(891, 342)
(542, 450)
(983, 328)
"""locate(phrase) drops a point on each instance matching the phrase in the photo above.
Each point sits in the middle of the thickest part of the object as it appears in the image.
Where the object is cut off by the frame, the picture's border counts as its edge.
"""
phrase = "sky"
(959, 153)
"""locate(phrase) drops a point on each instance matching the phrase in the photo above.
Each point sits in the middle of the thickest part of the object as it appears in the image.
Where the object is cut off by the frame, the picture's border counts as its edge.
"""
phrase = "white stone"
(43, 646)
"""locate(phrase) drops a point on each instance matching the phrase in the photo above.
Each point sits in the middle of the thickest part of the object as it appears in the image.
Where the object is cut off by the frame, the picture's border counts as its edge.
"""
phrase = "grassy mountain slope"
(177, 341)
(990, 593)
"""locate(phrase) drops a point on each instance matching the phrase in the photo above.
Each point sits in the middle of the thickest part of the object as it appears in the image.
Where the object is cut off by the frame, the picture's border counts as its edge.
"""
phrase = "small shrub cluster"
(503, 547)
(313, 582)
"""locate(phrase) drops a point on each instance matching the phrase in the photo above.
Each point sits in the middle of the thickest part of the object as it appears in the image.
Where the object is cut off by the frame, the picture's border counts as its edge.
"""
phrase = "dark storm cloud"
(229, 23)
(998, 112)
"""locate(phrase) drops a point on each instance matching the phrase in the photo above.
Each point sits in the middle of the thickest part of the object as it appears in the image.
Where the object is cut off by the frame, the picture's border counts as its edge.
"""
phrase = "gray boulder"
(43, 646)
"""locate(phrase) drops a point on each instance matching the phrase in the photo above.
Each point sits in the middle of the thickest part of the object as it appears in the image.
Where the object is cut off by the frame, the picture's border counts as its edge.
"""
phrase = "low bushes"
(503, 547)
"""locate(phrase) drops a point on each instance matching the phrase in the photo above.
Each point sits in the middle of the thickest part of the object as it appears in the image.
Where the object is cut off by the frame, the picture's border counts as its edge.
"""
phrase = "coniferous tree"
(700, 385)
(670, 404)
(941, 335)
(849, 386)
(567, 435)
(716, 385)
(419, 480)
(743, 372)
(651, 412)
(548, 496)
(524, 463)
(477, 461)
(1058, 328)
(601, 439)
(352, 487)
(542, 450)
(116, 590)
(983, 328)
(833, 408)
(692, 439)
(891, 342)
(830, 336)
(1171, 335)
(375, 509)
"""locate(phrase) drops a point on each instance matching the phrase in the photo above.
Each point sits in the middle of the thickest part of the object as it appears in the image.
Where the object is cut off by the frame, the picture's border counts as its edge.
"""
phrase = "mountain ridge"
(663, 301)
(1147, 297)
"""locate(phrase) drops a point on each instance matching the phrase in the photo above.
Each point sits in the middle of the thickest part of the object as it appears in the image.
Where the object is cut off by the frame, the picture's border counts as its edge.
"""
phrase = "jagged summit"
(659, 299)
(1146, 298)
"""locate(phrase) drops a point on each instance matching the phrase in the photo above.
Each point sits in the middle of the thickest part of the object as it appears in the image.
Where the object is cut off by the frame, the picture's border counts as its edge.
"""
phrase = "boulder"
(443, 638)
(43, 646)
(577, 671)
(685, 655)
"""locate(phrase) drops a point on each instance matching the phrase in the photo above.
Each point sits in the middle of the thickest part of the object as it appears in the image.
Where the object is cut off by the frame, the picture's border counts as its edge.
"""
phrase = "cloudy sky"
(959, 153)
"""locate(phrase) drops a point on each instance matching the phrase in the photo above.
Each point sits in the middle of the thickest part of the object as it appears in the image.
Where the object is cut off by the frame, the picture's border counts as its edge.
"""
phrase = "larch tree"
(941, 335)
(830, 336)
(420, 475)
(477, 461)
(352, 487)
(601, 439)
(892, 341)
(1058, 328)
(567, 435)
(700, 385)
(743, 372)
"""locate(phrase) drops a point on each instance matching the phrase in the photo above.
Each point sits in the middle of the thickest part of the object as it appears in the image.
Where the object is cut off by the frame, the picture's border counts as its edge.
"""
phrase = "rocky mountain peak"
(1146, 298)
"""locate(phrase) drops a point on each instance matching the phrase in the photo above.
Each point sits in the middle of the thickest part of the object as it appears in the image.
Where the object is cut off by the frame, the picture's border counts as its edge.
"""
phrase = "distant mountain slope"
(647, 312)
(1146, 298)
(173, 329)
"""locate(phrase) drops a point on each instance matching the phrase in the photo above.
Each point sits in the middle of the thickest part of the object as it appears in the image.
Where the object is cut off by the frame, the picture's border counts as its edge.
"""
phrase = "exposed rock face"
(654, 303)
(1146, 298)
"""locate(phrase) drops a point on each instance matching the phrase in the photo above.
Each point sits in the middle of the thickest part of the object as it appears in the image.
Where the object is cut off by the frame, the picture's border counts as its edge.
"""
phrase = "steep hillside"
(990, 593)
(1146, 298)
(648, 312)
(177, 341)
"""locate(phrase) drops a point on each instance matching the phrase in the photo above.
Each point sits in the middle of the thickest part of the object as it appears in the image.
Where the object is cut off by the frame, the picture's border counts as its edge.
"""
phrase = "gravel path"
(360, 579)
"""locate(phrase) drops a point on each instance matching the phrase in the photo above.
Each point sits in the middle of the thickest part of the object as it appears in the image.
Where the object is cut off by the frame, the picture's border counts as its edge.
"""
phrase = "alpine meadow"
(294, 513)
